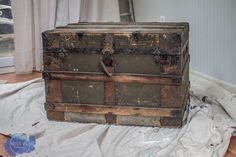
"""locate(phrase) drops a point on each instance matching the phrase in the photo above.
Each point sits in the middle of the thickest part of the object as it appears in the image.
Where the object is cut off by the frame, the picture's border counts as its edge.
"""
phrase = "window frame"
(7, 63)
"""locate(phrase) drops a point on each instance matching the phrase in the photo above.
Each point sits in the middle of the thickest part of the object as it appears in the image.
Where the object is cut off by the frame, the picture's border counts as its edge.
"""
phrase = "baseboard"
(228, 86)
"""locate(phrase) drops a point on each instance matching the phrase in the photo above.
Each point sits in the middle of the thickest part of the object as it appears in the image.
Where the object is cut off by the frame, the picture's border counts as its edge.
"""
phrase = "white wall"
(212, 31)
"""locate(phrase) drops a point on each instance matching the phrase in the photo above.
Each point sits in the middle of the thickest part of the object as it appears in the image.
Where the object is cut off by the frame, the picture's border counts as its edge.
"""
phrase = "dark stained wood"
(168, 45)
(171, 122)
(171, 100)
(111, 118)
(51, 62)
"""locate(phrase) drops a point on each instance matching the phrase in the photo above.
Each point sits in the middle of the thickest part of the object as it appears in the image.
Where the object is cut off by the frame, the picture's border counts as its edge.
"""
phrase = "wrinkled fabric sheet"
(207, 133)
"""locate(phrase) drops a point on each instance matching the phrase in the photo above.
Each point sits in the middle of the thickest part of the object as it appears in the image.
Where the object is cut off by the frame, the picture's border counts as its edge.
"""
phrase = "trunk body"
(127, 74)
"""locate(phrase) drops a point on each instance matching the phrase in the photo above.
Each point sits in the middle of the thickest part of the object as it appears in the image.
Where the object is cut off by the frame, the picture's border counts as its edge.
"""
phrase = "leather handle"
(105, 69)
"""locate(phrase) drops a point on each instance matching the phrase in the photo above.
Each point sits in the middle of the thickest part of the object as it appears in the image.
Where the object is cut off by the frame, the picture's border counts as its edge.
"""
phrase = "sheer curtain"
(32, 17)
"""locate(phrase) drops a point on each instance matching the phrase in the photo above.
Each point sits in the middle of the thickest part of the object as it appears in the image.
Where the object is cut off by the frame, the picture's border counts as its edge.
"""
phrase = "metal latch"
(107, 63)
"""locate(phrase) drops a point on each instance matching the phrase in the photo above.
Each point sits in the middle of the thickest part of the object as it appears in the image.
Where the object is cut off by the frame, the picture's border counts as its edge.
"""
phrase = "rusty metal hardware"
(108, 44)
(47, 76)
(157, 59)
(177, 79)
(49, 106)
(61, 55)
(80, 36)
(108, 59)
(136, 35)
(156, 56)
(45, 36)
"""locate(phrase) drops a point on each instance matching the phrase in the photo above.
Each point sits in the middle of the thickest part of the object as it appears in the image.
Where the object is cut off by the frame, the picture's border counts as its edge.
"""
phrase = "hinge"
(47, 76)
(177, 79)
(110, 118)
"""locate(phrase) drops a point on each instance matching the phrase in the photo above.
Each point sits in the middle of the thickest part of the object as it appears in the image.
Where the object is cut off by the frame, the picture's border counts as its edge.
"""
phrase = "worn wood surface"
(118, 110)
(122, 74)
(109, 118)
(53, 90)
(125, 78)
(109, 93)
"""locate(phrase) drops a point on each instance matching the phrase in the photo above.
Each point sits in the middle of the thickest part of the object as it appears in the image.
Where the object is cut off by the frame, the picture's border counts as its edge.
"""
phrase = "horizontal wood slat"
(118, 110)
(148, 79)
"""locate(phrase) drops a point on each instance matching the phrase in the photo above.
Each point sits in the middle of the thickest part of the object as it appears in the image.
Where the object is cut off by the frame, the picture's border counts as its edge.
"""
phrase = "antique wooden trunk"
(125, 74)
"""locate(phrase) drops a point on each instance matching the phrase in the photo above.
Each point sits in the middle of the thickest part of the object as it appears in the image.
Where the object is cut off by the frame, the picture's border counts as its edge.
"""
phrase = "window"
(126, 11)
(6, 37)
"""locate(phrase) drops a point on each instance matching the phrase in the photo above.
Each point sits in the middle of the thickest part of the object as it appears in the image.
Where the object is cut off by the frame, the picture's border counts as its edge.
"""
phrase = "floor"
(13, 78)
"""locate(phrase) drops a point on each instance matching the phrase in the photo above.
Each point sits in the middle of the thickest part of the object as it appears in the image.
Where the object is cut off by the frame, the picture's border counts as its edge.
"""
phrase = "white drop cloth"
(206, 135)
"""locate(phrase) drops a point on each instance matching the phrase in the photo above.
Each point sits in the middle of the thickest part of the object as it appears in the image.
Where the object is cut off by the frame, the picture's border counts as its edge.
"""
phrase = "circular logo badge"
(19, 144)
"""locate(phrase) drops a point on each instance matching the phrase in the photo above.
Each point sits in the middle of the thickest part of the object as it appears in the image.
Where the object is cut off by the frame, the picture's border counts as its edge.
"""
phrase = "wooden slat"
(118, 110)
(117, 30)
(171, 96)
(184, 46)
(139, 25)
(109, 93)
(128, 24)
(124, 78)
(53, 90)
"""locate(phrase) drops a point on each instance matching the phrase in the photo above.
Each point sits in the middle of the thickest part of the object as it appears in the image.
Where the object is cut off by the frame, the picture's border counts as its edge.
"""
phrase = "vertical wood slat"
(109, 93)
(109, 89)
(53, 90)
